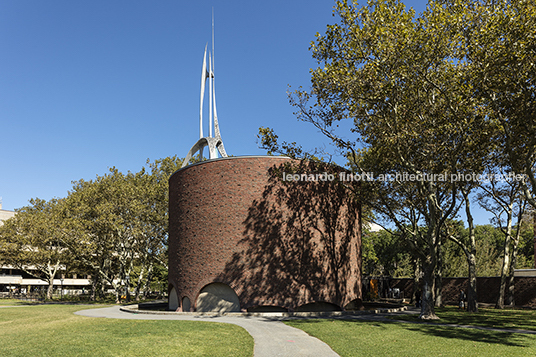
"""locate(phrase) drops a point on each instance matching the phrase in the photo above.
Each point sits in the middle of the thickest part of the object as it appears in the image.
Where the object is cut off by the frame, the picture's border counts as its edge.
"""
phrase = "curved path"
(272, 337)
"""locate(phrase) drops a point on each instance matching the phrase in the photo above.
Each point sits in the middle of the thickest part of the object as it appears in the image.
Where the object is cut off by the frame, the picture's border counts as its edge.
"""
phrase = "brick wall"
(487, 289)
(276, 243)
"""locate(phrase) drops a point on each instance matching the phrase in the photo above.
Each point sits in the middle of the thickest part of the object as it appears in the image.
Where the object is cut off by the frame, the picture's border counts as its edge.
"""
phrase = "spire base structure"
(215, 145)
(213, 141)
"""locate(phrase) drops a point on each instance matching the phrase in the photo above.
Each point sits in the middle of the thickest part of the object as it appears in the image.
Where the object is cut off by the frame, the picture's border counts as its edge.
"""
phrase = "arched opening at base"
(356, 304)
(186, 305)
(217, 297)
(173, 300)
(318, 306)
(267, 308)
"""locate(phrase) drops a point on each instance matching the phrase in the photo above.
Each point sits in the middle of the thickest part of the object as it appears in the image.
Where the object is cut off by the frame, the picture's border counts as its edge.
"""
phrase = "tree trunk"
(510, 300)
(506, 263)
(427, 307)
(93, 289)
(472, 303)
(502, 287)
(138, 284)
(416, 296)
(438, 277)
(50, 289)
(510, 286)
(147, 283)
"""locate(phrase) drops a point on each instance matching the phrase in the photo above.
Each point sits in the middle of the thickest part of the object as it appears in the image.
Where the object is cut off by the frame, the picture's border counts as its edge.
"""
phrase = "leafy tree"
(118, 222)
(526, 242)
(505, 200)
(119, 226)
(394, 75)
(113, 227)
(499, 45)
(31, 241)
(153, 258)
(468, 246)
(383, 255)
(99, 212)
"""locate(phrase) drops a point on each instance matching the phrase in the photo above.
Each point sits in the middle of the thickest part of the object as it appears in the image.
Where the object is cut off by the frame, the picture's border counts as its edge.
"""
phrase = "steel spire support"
(213, 140)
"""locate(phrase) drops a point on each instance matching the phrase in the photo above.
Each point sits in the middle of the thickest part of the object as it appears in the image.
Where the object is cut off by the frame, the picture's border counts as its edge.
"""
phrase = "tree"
(394, 75)
(31, 241)
(99, 212)
(469, 249)
(383, 255)
(118, 225)
(155, 188)
(505, 200)
(499, 45)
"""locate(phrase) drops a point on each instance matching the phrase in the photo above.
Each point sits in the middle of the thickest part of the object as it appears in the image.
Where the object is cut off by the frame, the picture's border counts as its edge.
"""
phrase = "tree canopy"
(442, 96)
(113, 228)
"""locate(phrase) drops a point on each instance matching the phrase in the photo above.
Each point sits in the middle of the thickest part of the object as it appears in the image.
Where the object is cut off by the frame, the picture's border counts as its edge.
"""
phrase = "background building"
(23, 282)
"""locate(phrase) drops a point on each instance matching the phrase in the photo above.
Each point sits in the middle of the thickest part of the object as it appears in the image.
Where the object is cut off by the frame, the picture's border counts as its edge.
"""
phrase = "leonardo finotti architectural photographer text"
(403, 177)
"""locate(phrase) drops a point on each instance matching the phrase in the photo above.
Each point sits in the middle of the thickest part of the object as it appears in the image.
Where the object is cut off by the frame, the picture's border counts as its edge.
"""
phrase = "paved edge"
(134, 309)
(271, 337)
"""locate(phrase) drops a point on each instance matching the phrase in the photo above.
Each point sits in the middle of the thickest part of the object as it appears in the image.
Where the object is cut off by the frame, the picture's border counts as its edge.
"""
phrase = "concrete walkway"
(272, 337)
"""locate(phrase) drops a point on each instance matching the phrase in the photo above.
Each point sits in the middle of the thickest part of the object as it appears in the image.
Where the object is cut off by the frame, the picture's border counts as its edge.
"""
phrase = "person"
(462, 299)
(418, 301)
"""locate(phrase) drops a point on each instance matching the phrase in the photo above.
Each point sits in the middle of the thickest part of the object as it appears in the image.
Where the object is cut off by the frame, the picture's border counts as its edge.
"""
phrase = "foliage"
(33, 238)
(269, 142)
(383, 249)
(384, 255)
(120, 221)
(499, 44)
(113, 228)
(394, 75)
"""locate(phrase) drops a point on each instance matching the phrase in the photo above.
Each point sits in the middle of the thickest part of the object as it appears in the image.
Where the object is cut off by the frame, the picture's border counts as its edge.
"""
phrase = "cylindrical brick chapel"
(262, 233)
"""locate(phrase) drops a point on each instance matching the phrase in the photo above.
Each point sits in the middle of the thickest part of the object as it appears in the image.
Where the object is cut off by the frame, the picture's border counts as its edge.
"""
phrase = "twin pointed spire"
(213, 141)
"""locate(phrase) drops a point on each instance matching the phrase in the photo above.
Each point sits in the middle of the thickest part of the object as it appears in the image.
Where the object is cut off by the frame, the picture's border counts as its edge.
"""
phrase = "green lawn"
(368, 338)
(506, 318)
(15, 302)
(53, 330)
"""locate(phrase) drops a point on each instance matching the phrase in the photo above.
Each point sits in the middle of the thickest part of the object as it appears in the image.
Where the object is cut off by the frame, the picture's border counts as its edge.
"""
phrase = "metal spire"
(214, 142)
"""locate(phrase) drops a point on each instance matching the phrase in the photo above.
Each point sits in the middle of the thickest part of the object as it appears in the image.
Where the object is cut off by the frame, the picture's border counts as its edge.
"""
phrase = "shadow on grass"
(480, 335)
(470, 334)
(519, 319)
(508, 319)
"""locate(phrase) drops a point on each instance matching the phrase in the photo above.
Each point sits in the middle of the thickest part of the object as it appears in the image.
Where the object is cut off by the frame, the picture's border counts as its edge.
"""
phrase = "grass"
(372, 338)
(16, 302)
(53, 330)
(507, 318)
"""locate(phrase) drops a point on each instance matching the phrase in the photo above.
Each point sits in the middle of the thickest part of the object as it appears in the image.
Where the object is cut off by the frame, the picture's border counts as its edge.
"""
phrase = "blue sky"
(87, 85)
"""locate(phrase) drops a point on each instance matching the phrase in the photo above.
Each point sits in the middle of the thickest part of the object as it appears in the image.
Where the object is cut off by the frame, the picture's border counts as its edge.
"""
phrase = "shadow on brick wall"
(301, 242)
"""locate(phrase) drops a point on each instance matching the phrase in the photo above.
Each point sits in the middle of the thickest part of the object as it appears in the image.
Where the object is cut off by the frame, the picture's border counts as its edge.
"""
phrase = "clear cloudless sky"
(88, 85)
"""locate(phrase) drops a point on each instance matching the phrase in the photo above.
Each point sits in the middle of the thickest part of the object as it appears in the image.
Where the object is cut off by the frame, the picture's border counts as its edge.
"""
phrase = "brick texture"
(487, 289)
(276, 243)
